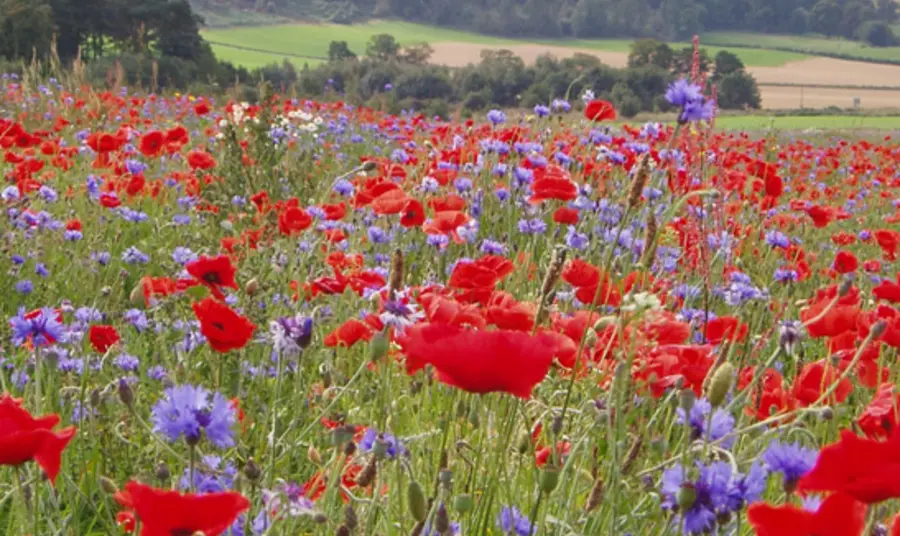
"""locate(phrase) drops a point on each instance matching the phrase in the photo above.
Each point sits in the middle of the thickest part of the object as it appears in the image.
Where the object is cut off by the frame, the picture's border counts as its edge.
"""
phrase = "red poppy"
(110, 200)
(866, 469)
(152, 143)
(483, 273)
(888, 290)
(725, 328)
(413, 214)
(821, 216)
(335, 212)
(838, 515)
(666, 366)
(888, 240)
(102, 337)
(164, 512)
(814, 378)
(214, 273)
(480, 361)
(837, 319)
(24, 438)
(157, 286)
(441, 310)
(845, 262)
(201, 108)
(293, 220)
(552, 187)
(349, 333)
(879, 419)
(505, 312)
(198, 159)
(566, 216)
(224, 329)
(600, 110)
(542, 454)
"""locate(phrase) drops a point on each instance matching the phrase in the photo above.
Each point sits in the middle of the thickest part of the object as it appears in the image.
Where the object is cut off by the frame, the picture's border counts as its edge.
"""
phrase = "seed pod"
(463, 503)
(416, 497)
(367, 476)
(445, 477)
(720, 384)
(137, 295)
(252, 287)
(252, 470)
(349, 448)
(844, 289)
(596, 496)
(549, 480)
(641, 176)
(396, 273)
(632, 454)
(687, 496)
(126, 395)
(162, 472)
(312, 454)
(369, 165)
(878, 329)
(108, 485)
(343, 530)
(687, 400)
(650, 242)
(350, 519)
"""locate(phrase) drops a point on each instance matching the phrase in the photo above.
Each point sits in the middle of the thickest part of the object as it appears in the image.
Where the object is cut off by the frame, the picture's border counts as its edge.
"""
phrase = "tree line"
(867, 20)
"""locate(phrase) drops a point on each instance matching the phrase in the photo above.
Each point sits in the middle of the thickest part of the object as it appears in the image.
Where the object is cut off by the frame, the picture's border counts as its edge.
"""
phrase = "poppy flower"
(879, 419)
(480, 361)
(866, 469)
(214, 273)
(224, 329)
(725, 328)
(552, 187)
(845, 262)
(164, 512)
(821, 216)
(483, 273)
(887, 290)
(102, 337)
(837, 319)
(413, 215)
(838, 515)
(600, 110)
(349, 333)
(293, 220)
(888, 240)
(505, 312)
(202, 160)
(109, 200)
(201, 108)
(566, 216)
(152, 143)
(814, 378)
(24, 438)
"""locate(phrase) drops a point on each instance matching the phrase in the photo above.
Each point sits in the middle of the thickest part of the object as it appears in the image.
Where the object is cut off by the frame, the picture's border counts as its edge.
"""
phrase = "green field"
(837, 122)
(294, 41)
(808, 44)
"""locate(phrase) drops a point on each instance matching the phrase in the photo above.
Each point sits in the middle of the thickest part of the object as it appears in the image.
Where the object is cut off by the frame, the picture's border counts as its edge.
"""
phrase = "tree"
(826, 17)
(627, 103)
(726, 63)
(418, 54)
(339, 51)
(877, 34)
(178, 30)
(738, 90)
(650, 52)
(27, 27)
(382, 47)
(799, 21)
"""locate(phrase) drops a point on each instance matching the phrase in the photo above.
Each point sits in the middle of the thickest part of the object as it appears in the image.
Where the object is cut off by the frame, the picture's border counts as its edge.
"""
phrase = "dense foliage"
(296, 317)
(396, 78)
(671, 19)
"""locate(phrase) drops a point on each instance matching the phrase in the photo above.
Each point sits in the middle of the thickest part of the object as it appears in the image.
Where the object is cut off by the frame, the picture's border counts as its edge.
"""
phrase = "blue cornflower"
(532, 226)
(138, 319)
(371, 436)
(791, 460)
(42, 329)
(127, 362)
(377, 235)
(777, 239)
(188, 410)
(133, 255)
(157, 372)
(700, 110)
(496, 117)
(785, 275)
(493, 248)
(512, 521)
(291, 334)
(41, 270)
(576, 240)
(183, 255)
(689, 97)
(343, 187)
(463, 184)
(720, 425)
(24, 286)
(181, 219)
(560, 105)
(541, 110)
(211, 476)
(702, 500)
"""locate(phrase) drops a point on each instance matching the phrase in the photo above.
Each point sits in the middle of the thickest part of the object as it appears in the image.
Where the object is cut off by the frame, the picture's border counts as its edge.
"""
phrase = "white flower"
(641, 301)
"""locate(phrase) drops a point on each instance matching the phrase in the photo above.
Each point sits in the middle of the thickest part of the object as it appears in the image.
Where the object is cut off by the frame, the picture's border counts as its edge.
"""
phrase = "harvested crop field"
(812, 72)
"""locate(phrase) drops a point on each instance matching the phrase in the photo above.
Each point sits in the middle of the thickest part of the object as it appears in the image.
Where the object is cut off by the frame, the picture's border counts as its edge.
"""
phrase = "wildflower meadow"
(297, 317)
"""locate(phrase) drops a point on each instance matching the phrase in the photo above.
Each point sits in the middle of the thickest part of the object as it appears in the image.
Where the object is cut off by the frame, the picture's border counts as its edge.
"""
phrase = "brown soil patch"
(814, 71)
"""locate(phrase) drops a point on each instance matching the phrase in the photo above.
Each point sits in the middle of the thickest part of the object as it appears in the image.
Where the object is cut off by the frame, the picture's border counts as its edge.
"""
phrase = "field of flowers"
(310, 318)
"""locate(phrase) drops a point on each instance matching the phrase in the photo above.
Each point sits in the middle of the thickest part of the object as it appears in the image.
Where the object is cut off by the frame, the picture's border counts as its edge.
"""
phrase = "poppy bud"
(342, 531)
(445, 477)
(381, 447)
(826, 413)
(126, 395)
(108, 485)
(687, 400)
(442, 520)
(844, 289)
(378, 348)
(350, 519)
(320, 518)
(557, 426)
(252, 470)
(137, 295)
(474, 420)
(369, 165)
(687, 496)
(604, 322)
(396, 273)
(162, 472)
(417, 529)
(416, 497)
(720, 384)
(349, 448)
(549, 480)
(312, 454)
(523, 443)
(878, 329)
(95, 399)
(367, 476)
(463, 503)
(632, 454)
(252, 287)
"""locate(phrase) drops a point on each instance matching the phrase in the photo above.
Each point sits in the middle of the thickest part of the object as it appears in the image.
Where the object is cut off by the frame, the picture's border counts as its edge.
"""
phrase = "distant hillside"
(866, 20)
